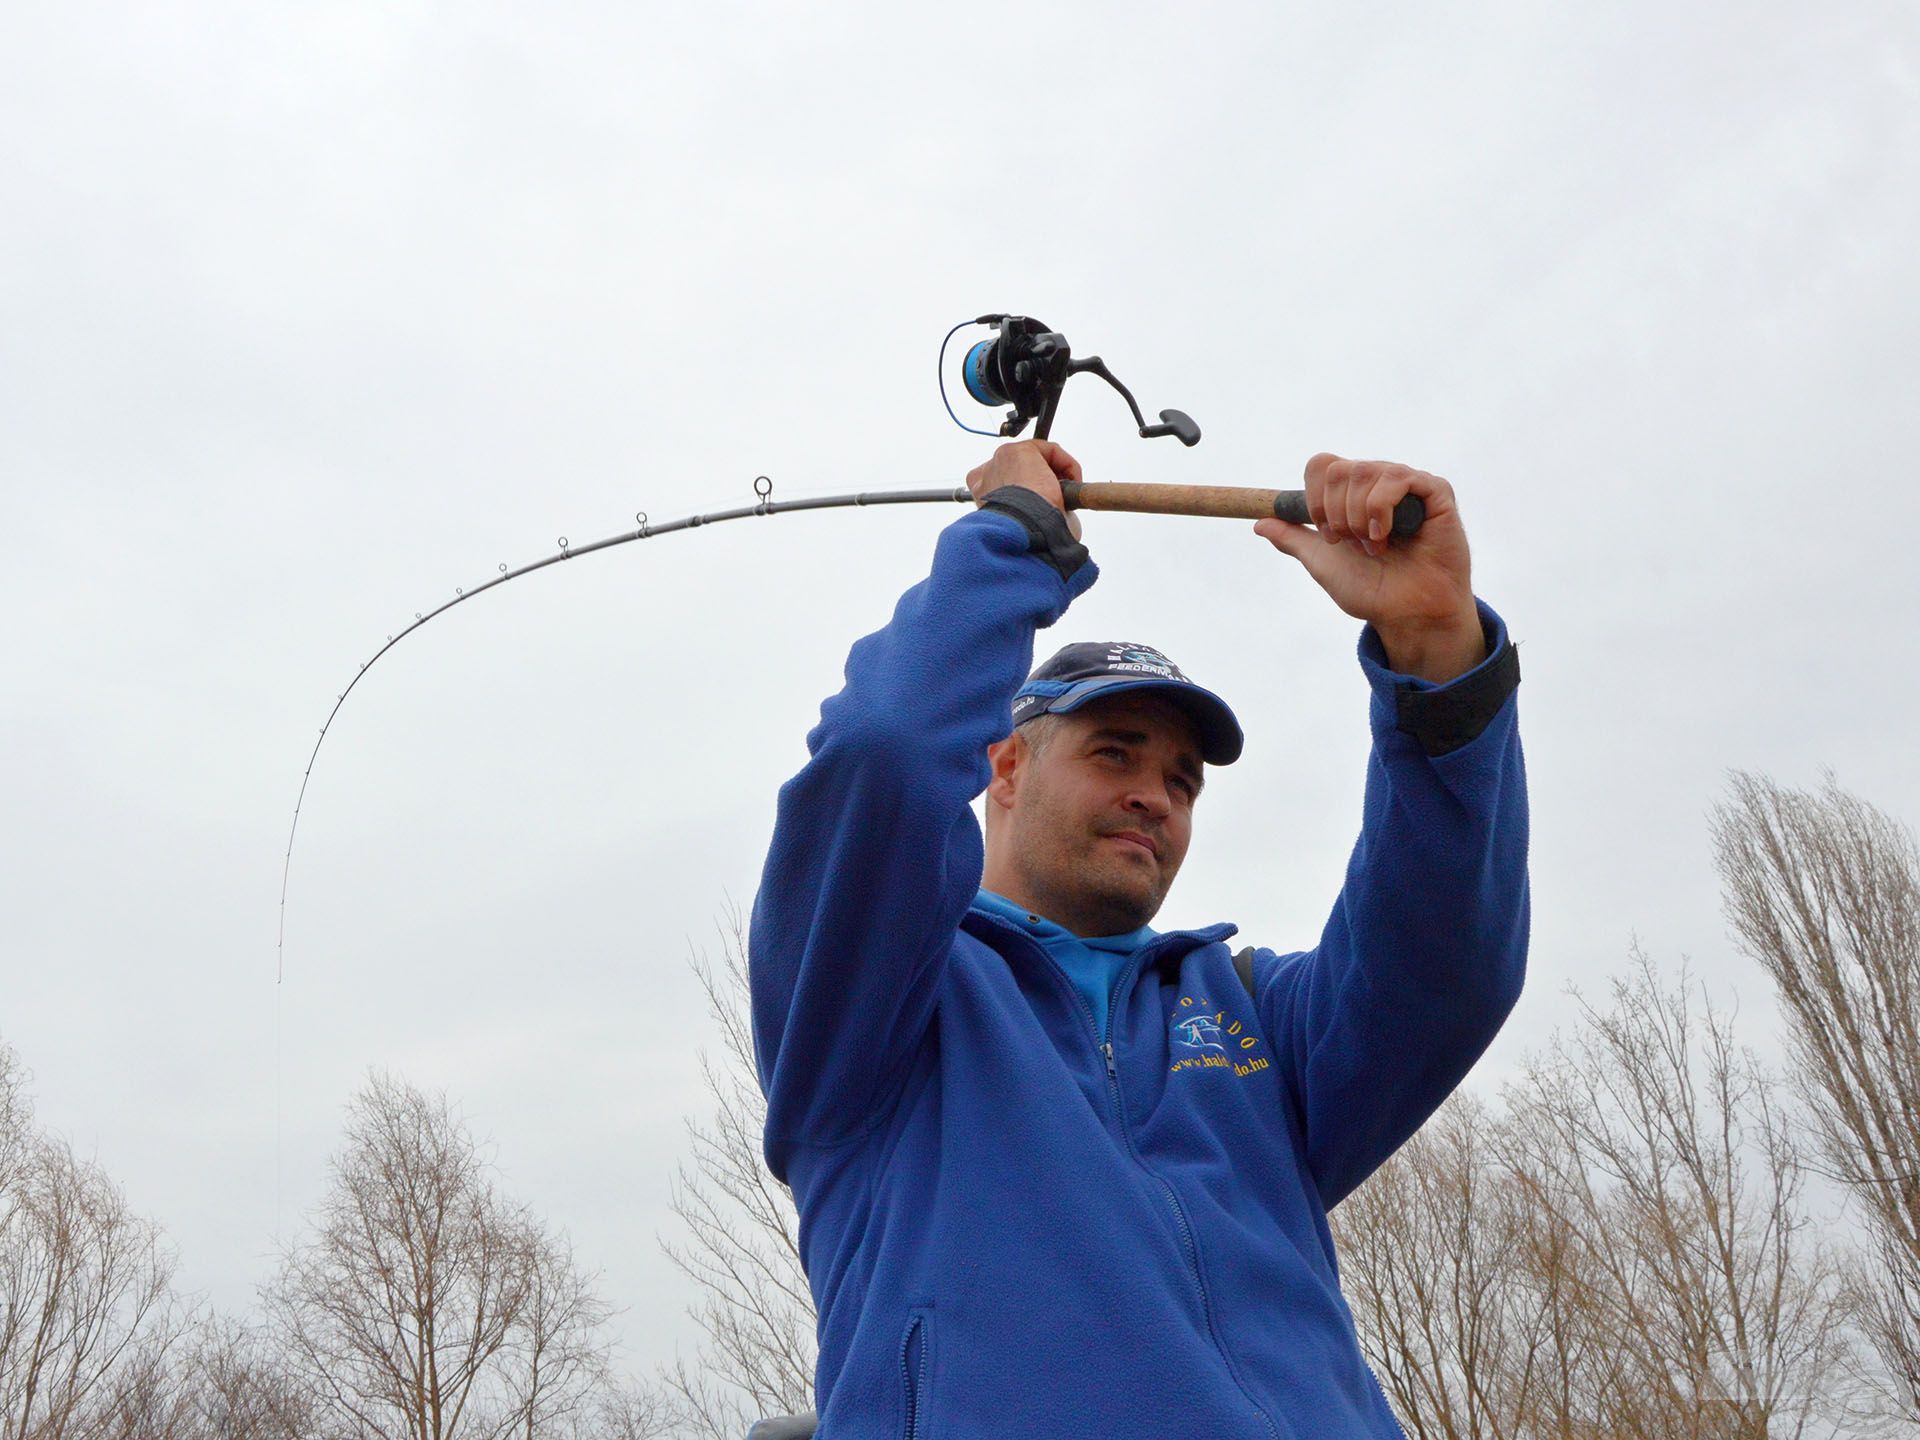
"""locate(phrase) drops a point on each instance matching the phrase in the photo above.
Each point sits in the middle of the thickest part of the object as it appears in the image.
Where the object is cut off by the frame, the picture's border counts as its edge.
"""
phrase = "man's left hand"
(1415, 590)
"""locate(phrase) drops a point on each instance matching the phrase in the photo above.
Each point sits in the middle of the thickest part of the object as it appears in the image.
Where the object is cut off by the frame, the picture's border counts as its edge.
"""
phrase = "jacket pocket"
(916, 1365)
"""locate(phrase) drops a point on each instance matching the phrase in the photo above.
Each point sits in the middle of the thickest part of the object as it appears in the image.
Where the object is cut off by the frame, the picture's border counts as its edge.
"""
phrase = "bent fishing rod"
(1024, 366)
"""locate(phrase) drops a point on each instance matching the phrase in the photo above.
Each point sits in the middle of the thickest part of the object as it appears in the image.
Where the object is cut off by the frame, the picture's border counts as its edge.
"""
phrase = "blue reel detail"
(974, 371)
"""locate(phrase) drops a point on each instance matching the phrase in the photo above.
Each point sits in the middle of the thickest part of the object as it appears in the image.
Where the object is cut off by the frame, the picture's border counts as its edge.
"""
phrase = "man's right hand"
(1036, 465)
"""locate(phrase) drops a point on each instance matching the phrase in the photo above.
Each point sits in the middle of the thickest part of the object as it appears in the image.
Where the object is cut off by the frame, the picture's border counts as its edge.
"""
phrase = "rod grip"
(1227, 502)
(1408, 516)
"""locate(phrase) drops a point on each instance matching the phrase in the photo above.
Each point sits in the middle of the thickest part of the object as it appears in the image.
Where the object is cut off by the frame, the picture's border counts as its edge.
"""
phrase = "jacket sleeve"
(1425, 951)
(876, 853)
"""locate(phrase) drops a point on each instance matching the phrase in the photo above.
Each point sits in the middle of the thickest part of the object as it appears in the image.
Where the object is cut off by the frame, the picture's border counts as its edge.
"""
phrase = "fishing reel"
(1025, 367)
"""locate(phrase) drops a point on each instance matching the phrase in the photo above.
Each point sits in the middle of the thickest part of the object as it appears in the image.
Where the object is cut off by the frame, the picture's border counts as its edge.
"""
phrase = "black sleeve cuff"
(1447, 718)
(1045, 524)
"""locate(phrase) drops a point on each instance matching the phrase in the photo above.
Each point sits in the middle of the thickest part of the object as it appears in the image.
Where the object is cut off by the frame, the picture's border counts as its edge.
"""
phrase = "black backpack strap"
(1243, 967)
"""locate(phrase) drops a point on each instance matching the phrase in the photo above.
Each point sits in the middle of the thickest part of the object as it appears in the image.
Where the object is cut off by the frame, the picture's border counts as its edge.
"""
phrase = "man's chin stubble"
(1133, 907)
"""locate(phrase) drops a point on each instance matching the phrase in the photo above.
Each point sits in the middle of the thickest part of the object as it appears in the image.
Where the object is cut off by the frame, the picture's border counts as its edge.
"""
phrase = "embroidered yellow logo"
(1203, 1038)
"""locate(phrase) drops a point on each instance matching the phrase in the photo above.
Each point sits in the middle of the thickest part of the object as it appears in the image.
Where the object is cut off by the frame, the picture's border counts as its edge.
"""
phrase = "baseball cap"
(1079, 673)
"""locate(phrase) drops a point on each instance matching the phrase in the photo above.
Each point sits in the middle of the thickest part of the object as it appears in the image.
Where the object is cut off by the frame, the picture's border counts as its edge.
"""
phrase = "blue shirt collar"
(1045, 930)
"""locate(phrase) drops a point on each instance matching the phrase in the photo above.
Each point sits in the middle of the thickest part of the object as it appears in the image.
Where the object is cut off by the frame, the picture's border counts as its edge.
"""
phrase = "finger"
(1315, 480)
(1318, 466)
(1435, 492)
(1380, 500)
(976, 481)
(1406, 481)
(1354, 513)
(1333, 501)
(1362, 500)
(1064, 465)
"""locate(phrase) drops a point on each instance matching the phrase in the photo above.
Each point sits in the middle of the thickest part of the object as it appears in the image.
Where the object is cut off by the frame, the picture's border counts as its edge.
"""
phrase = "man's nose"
(1150, 799)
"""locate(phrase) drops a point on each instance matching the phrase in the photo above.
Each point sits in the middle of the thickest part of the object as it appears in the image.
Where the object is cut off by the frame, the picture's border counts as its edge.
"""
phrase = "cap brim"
(1221, 739)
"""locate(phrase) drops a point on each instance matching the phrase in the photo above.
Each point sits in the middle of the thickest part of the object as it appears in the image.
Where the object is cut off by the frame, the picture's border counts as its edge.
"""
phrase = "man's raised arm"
(1425, 950)
(876, 853)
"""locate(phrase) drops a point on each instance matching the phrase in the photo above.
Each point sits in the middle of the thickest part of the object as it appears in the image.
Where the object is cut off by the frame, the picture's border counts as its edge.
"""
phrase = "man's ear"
(1005, 756)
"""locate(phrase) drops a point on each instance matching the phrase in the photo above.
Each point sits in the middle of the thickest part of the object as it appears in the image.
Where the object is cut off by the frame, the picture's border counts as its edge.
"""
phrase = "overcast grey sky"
(309, 314)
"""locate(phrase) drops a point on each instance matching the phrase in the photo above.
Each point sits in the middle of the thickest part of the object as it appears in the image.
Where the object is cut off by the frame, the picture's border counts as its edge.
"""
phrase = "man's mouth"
(1134, 837)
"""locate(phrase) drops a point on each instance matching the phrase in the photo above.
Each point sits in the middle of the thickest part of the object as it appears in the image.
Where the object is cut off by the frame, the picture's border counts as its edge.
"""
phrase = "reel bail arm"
(1177, 423)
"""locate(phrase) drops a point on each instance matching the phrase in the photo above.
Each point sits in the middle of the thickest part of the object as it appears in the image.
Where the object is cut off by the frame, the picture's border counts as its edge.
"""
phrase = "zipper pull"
(1107, 1050)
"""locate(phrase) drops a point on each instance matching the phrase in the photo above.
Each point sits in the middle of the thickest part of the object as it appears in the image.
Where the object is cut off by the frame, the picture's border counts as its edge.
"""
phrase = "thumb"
(1063, 465)
(1320, 560)
(1287, 538)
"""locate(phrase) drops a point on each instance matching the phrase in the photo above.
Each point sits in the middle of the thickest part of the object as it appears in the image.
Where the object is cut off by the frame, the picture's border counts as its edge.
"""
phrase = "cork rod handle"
(1228, 502)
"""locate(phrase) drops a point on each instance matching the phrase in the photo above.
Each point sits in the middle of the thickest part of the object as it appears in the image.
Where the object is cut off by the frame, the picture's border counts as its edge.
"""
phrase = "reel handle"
(1227, 502)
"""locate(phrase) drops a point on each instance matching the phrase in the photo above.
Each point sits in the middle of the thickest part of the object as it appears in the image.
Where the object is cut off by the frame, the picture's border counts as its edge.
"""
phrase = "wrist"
(1049, 529)
(1435, 651)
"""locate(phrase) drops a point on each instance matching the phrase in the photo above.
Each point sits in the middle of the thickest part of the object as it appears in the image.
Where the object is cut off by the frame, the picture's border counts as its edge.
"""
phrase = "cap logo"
(1141, 660)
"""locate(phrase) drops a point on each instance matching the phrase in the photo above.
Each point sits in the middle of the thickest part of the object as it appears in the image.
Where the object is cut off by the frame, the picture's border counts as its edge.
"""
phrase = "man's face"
(1091, 825)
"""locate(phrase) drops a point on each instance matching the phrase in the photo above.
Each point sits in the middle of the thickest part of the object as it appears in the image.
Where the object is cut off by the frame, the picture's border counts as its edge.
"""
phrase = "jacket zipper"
(1187, 1243)
(1104, 1044)
(1381, 1391)
(913, 1372)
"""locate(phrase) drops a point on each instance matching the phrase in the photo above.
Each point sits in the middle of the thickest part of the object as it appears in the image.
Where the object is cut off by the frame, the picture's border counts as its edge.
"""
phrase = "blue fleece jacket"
(1014, 1231)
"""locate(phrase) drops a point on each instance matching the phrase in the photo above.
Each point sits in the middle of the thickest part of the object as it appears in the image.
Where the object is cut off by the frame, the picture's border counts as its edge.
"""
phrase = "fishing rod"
(1024, 366)
(646, 530)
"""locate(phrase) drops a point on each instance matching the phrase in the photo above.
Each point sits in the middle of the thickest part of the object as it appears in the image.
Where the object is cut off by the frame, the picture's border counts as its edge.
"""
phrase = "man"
(1059, 1175)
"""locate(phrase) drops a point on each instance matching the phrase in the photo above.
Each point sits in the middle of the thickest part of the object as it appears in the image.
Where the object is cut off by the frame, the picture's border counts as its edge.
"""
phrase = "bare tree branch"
(1625, 1253)
(425, 1306)
(1823, 891)
(742, 1242)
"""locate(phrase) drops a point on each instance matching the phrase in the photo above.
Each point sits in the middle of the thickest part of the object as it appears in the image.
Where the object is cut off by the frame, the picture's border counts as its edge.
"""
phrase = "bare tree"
(1472, 1298)
(1625, 1253)
(1824, 891)
(16, 1124)
(1434, 1261)
(238, 1386)
(635, 1412)
(1660, 1149)
(93, 1341)
(742, 1245)
(152, 1394)
(84, 1291)
(424, 1305)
